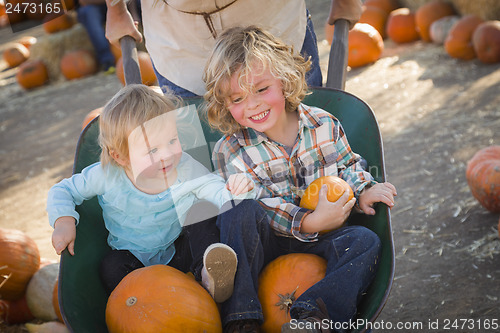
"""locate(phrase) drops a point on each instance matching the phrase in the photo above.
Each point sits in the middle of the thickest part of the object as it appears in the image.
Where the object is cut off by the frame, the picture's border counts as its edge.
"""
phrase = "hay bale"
(51, 48)
(486, 9)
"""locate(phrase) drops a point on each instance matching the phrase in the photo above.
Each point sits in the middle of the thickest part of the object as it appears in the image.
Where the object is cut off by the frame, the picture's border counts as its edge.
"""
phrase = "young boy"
(255, 87)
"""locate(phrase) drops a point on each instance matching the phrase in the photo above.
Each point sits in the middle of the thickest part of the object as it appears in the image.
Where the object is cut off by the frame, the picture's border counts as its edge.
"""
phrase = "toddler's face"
(155, 152)
(262, 107)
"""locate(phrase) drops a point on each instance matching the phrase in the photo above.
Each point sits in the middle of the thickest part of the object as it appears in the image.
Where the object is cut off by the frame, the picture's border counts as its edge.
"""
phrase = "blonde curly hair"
(237, 51)
(131, 107)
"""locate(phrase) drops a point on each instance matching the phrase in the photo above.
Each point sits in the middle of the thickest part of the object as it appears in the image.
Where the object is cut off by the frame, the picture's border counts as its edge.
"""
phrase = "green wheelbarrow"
(82, 298)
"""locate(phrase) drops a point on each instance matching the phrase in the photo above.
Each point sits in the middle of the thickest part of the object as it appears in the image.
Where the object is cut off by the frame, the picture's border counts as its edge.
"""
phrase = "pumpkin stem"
(5, 277)
(286, 301)
(131, 300)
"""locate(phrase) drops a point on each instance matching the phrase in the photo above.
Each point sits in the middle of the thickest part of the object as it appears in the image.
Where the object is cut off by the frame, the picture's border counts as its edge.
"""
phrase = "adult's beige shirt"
(180, 41)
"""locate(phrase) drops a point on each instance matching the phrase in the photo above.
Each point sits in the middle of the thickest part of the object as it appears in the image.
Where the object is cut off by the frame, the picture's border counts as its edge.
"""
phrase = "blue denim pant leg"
(352, 255)
(172, 87)
(314, 77)
(246, 229)
(92, 17)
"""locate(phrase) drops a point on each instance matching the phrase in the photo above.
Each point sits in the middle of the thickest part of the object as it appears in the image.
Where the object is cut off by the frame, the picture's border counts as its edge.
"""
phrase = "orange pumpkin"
(276, 294)
(36, 9)
(27, 41)
(77, 64)
(365, 45)
(458, 44)
(145, 65)
(486, 41)
(32, 74)
(386, 5)
(401, 27)
(376, 17)
(336, 188)
(430, 12)
(159, 299)
(15, 312)
(483, 177)
(53, 23)
(19, 260)
(329, 32)
(90, 116)
(55, 302)
(16, 54)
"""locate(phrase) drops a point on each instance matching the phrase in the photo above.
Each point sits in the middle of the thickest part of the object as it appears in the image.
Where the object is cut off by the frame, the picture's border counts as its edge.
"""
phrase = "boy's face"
(262, 108)
(155, 152)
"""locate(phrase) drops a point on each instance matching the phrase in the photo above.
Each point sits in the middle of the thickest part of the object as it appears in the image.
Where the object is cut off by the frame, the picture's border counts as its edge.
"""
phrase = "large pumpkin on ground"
(376, 17)
(365, 45)
(483, 177)
(77, 64)
(53, 23)
(430, 12)
(282, 281)
(15, 54)
(32, 74)
(15, 312)
(160, 299)
(19, 260)
(145, 66)
(90, 116)
(486, 41)
(386, 5)
(458, 44)
(39, 292)
(401, 27)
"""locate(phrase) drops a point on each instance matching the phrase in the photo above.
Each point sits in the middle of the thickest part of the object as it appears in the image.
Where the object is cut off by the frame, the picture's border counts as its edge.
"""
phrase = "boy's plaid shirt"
(321, 149)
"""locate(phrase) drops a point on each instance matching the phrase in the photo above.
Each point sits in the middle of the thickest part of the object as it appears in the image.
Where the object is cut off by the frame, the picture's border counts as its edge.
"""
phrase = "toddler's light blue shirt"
(145, 224)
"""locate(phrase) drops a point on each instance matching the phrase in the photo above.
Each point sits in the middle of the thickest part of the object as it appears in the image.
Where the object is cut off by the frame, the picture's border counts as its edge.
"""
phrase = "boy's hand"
(381, 192)
(328, 215)
(238, 184)
(64, 234)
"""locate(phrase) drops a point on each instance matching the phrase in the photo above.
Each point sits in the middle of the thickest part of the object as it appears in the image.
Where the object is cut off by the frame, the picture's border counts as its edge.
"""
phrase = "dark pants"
(351, 253)
(189, 249)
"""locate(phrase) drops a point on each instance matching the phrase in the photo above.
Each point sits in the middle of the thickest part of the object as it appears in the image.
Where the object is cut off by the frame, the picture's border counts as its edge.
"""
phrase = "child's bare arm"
(328, 215)
(64, 234)
(381, 192)
(239, 183)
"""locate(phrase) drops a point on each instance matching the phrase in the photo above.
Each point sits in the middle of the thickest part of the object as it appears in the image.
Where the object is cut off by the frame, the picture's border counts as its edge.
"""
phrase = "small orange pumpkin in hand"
(336, 188)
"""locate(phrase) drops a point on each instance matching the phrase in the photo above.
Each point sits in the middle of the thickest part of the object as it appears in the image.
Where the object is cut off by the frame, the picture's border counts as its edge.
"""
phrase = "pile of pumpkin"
(465, 37)
(483, 178)
(28, 284)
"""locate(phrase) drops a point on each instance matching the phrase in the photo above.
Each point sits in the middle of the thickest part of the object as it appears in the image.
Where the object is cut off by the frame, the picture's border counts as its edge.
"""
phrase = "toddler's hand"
(239, 184)
(64, 234)
(381, 192)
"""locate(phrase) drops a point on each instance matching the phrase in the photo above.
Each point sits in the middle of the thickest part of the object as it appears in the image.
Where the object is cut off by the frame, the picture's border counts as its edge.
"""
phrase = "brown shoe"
(243, 326)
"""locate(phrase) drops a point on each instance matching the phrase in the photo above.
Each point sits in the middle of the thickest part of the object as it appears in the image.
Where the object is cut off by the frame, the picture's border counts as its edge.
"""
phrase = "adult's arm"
(349, 10)
(119, 22)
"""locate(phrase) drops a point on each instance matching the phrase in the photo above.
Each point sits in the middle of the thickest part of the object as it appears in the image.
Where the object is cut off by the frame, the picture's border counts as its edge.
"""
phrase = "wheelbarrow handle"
(131, 67)
(337, 62)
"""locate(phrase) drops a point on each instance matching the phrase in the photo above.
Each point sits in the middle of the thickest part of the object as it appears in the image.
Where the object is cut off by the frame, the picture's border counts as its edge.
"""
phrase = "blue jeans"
(351, 253)
(314, 77)
(93, 17)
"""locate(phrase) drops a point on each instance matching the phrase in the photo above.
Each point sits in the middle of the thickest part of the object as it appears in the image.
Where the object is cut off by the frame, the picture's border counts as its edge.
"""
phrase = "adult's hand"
(119, 23)
(349, 10)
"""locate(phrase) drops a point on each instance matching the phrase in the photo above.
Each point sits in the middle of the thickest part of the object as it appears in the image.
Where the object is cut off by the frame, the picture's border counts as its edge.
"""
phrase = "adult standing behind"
(92, 15)
(180, 34)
